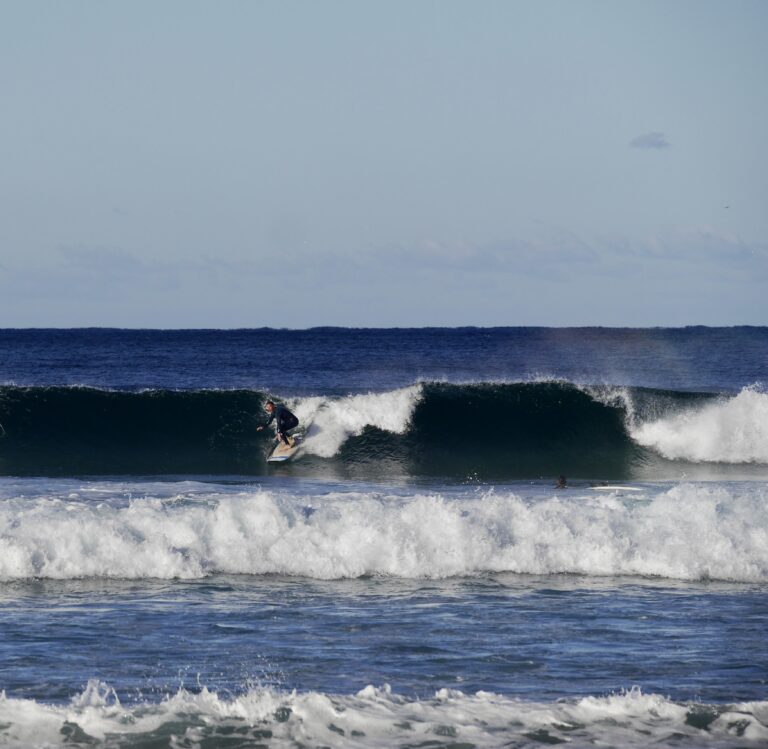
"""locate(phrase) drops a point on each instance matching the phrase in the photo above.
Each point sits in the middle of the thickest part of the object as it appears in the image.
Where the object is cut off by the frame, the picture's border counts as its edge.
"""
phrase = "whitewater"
(685, 531)
(376, 717)
(730, 430)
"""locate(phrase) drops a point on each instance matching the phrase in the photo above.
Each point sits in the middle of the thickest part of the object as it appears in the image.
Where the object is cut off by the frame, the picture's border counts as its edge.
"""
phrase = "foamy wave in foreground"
(377, 717)
(727, 431)
(688, 532)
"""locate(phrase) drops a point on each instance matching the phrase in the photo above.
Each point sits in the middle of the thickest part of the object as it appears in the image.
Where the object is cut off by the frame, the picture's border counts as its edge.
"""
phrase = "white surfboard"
(283, 452)
(616, 488)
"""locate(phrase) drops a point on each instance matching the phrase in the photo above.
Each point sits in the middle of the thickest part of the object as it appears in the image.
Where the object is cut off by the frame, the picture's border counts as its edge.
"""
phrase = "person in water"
(285, 421)
(561, 484)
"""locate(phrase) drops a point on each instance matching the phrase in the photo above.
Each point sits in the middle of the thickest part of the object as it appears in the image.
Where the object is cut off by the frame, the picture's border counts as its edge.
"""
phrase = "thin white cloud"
(646, 141)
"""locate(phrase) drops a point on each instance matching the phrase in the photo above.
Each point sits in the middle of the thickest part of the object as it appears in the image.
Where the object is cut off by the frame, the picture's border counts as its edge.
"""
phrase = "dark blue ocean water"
(347, 360)
(413, 577)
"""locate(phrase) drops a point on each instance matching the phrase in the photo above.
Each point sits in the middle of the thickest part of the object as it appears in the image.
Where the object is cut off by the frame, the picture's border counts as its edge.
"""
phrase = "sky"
(186, 164)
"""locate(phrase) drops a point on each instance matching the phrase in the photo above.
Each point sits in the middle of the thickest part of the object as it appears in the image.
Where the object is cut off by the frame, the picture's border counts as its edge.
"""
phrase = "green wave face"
(62, 431)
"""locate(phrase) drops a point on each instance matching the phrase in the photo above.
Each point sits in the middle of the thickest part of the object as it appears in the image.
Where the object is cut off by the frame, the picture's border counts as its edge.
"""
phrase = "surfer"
(285, 421)
(561, 483)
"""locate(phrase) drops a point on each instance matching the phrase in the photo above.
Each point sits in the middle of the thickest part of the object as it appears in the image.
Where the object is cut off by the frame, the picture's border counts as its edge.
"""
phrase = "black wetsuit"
(285, 422)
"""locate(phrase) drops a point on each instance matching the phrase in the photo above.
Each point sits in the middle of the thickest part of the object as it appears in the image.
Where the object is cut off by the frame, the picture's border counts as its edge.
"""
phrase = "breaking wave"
(690, 531)
(493, 430)
(375, 717)
(732, 430)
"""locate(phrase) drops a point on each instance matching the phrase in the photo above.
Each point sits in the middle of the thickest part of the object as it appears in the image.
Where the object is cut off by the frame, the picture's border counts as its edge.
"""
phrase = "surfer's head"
(269, 405)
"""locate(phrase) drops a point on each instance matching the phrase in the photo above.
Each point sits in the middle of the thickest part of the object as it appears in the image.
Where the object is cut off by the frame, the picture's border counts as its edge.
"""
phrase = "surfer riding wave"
(285, 421)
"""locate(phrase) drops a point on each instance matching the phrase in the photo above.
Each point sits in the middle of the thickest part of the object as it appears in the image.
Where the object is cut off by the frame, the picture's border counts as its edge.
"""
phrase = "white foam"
(378, 717)
(331, 421)
(727, 431)
(688, 532)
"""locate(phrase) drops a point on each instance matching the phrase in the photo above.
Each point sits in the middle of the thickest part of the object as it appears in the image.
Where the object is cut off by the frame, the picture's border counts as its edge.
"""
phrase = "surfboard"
(283, 452)
(616, 488)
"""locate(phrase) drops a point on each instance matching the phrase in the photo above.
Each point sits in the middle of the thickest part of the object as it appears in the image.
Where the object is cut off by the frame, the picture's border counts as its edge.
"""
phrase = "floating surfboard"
(283, 452)
(616, 488)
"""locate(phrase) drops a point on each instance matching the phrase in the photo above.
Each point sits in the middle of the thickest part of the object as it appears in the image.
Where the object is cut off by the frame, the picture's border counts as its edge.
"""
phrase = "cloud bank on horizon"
(290, 164)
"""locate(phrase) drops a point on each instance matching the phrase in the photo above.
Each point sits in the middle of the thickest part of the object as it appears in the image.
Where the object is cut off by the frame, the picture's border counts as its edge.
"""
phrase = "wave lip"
(377, 717)
(726, 431)
(689, 532)
(333, 421)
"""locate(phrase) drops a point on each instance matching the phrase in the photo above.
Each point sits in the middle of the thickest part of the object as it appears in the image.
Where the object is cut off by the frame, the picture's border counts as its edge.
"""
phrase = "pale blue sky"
(239, 164)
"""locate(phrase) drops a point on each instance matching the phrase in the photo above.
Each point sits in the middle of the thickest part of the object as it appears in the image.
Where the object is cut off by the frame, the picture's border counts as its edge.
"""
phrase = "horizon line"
(266, 328)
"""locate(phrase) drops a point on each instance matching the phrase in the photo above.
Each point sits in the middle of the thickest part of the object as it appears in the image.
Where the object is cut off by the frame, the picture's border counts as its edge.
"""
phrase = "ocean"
(414, 577)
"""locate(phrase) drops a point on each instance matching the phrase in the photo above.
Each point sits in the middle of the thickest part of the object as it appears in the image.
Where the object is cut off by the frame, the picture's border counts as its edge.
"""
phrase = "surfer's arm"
(269, 421)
